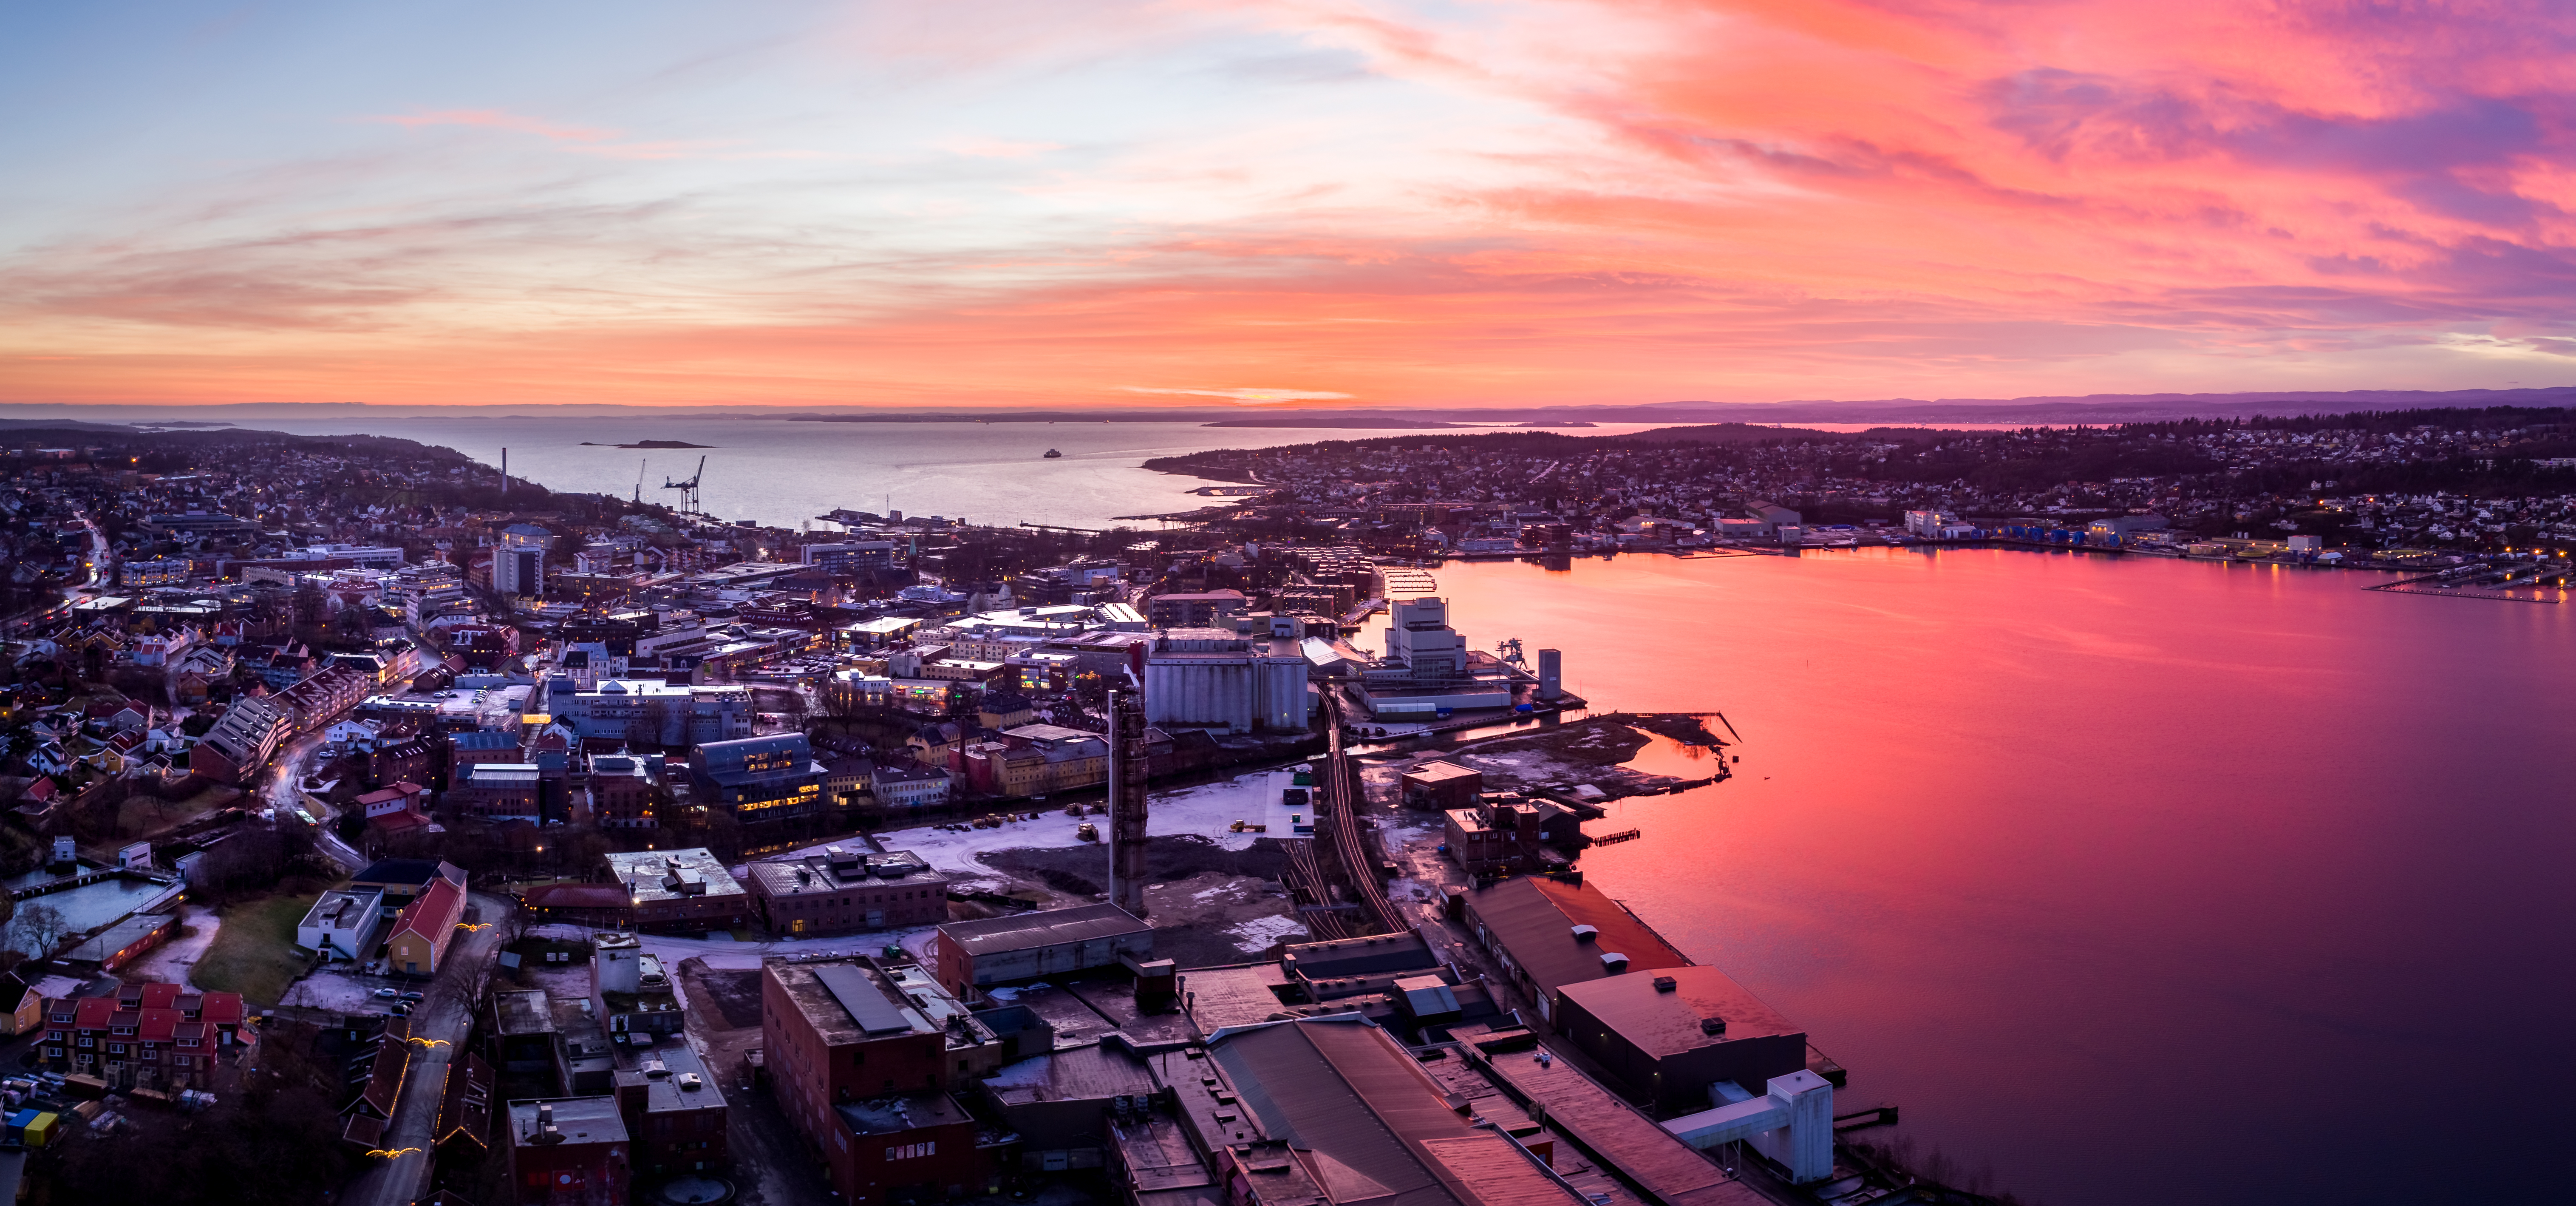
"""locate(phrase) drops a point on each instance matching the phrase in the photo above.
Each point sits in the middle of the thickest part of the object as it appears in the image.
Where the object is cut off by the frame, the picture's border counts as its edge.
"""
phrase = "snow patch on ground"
(1255, 935)
(338, 992)
(172, 961)
(743, 956)
(1206, 811)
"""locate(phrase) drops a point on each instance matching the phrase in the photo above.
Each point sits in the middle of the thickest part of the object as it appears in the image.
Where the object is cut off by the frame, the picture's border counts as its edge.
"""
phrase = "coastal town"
(2419, 490)
(380, 828)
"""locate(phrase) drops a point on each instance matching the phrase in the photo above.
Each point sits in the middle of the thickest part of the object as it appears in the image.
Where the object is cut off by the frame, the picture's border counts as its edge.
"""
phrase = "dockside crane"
(688, 489)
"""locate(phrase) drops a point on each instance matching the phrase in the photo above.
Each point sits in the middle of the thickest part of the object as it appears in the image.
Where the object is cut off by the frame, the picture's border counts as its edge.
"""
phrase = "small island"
(646, 444)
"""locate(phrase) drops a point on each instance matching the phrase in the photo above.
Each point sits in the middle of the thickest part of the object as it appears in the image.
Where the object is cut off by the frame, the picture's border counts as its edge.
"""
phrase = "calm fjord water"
(785, 473)
(2138, 880)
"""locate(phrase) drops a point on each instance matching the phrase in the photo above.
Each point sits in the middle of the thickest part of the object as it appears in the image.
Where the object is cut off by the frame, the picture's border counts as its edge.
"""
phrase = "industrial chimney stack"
(1127, 801)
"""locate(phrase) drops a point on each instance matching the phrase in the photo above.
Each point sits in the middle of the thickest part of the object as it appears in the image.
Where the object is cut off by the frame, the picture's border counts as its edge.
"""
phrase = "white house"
(342, 924)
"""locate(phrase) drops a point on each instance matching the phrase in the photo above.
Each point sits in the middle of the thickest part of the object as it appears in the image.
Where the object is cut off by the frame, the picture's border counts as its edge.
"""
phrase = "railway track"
(1340, 847)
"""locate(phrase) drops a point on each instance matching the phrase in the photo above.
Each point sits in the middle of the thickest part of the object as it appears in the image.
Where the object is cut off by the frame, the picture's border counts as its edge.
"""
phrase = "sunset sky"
(1356, 204)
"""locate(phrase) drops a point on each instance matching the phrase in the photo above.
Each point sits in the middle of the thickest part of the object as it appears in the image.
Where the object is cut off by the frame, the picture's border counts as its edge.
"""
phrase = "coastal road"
(437, 1027)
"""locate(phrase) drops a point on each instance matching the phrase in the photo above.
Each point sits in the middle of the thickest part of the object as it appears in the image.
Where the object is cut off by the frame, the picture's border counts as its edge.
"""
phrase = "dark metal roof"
(1361, 1111)
(1370, 955)
(1668, 1023)
(1643, 1152)
(1052, 927)
(868, 1004)
(1533, 918)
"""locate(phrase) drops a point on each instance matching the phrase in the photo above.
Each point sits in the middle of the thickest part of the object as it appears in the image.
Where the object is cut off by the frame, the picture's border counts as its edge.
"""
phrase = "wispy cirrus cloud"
(494, 119)
(1520, 201)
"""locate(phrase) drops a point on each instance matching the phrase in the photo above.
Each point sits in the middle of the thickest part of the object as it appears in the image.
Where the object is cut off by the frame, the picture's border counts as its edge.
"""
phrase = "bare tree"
(514, 922)
(39, 928)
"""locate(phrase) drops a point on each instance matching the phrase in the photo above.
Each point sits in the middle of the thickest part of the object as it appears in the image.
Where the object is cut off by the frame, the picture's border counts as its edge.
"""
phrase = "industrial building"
(1499, 832)
(862, 1063)
(1442, 786)
(1669, 1035)
(680, 890)
(1429, 671)
(1025, 946)
(1549, 933)
(1335, 1110)
(846, 890)
(1213, 678)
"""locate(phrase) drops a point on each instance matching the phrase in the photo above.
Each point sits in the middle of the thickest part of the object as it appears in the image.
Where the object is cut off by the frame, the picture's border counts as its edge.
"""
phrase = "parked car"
(387, 994)
(413, 996)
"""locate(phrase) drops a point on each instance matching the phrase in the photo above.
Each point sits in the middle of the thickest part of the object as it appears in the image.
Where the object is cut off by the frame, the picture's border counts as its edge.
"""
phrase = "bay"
(2131, 880)
(784, 473)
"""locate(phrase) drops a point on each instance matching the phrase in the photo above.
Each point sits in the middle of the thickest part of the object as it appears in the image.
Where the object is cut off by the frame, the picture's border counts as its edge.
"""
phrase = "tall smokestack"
(505, 473)
(1127, 801)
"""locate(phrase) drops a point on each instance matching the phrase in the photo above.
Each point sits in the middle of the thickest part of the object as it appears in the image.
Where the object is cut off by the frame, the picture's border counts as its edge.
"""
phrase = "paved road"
(405, 1178)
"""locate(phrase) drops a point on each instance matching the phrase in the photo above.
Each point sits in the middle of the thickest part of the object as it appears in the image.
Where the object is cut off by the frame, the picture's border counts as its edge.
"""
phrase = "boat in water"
(1051, 454)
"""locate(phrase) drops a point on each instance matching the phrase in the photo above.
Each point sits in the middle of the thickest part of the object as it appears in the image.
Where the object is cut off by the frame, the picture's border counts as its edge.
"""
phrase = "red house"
(148, 1036)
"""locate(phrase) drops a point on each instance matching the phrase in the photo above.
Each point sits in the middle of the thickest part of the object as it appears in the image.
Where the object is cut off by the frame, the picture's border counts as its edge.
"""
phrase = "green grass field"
(254, 954)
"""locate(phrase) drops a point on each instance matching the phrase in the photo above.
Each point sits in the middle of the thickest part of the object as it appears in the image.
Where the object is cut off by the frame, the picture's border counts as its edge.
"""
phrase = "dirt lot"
(1212, 918)
(734, 996)
(1080, 870)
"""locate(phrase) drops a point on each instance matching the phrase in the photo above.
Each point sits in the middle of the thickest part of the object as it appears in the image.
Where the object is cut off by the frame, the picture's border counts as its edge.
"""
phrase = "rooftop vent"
(1666, 984)
(1712, 1025)
(1585, 933)
(1613, 963)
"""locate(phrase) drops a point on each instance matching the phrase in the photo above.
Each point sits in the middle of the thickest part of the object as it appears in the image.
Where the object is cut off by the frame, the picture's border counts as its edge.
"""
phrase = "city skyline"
(1346, 205)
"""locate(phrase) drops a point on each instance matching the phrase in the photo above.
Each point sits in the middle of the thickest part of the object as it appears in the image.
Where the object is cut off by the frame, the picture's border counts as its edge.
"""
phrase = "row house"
(148, 1036)
(329, 693)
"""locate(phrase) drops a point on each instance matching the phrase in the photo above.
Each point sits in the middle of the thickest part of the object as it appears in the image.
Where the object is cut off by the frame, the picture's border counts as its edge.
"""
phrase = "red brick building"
(847, 890)
(865, 1075)
(569, 1151)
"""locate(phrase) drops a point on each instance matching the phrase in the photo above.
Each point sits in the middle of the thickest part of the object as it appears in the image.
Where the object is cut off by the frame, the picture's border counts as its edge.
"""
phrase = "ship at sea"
(1051, 454)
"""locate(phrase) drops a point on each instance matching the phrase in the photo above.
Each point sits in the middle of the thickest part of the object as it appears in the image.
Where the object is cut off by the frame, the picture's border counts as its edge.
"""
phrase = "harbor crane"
(1510, 652)
(688, 489)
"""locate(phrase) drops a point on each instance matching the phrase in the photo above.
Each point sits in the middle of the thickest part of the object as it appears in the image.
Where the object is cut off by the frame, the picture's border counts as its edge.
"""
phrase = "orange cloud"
(1525, 202)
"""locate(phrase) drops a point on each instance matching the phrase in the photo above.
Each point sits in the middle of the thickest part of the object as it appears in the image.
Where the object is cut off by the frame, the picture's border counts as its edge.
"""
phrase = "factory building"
(1671, 1034)
(1025, 946)
(1211, 678)
(1548, 934)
